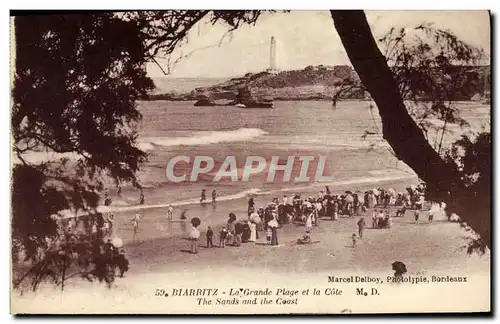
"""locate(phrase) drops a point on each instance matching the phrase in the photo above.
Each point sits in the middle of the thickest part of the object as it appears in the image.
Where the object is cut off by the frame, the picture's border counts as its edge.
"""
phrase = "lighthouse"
(272, 56)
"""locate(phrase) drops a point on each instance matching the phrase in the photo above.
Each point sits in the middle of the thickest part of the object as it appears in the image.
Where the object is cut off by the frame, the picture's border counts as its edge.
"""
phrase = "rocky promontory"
(311, 83)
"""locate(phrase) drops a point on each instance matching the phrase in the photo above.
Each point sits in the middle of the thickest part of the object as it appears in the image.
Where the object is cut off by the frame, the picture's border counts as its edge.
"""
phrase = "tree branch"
(399, 129)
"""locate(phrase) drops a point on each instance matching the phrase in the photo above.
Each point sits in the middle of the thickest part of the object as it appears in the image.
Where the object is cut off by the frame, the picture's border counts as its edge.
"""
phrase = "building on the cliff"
(272, 57)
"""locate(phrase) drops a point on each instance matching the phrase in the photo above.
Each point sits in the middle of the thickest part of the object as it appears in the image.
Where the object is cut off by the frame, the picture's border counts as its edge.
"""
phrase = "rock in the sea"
(204, 102)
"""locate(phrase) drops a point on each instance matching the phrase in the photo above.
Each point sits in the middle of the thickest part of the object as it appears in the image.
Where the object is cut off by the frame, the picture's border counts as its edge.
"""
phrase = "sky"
(302, 38)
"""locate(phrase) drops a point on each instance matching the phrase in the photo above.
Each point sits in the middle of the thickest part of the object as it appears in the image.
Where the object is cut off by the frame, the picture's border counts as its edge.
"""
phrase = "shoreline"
(156, 231)
(365, 182)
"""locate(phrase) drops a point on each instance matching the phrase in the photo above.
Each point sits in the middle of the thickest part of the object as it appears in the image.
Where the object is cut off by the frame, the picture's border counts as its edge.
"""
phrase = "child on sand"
(388, 220)
(269, 234)
(222, 237)
(170, 212)
(354, 240)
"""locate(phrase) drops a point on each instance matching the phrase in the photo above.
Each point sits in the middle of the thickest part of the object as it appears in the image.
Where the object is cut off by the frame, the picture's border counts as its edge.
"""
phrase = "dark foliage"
(77, 79)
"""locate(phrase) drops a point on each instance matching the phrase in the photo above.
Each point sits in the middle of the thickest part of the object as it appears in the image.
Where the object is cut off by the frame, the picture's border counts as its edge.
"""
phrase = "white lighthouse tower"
(272, 57)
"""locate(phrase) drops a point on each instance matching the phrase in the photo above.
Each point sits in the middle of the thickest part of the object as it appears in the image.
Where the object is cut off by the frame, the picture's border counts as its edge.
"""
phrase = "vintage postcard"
(250, 162)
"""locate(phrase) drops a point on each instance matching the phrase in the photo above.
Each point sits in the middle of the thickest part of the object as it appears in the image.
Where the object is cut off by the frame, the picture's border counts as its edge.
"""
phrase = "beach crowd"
(266, 219)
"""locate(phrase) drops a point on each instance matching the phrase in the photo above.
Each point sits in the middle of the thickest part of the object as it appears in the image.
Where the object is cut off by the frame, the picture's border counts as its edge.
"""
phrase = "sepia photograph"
(320, 162)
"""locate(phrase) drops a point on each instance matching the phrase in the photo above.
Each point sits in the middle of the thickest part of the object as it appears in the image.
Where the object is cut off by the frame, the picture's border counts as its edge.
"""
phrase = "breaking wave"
(375, 178)
(202, 138)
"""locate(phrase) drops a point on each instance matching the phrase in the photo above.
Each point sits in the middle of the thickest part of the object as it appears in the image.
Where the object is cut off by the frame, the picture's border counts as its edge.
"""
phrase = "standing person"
(269, 235)
(285, 200)
(274, 236)
(170, 212)
(309, 222)
(238, 233)
(335, 211)
(141, 198)
(361, 227)
(374, 219)
(194, 236)
(107, 200)
(203, 195)
(251, 205)
(214, 196)
(253, 232)
(319, 208)
(231, 227)
(416, 215)
(210, 235)
(105, 227)
(93, 227)
(135, 223)
(110, 220)
(380, 218)
(72, 223)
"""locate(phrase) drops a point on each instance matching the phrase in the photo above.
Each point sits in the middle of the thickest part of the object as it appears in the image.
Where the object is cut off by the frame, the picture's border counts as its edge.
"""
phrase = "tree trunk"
(399, 129)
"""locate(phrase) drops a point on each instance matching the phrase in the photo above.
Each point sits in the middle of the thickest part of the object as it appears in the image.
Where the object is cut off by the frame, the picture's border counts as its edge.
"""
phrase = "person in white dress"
(253, 232)
(309, 222)
(194, 235)
(319, 207)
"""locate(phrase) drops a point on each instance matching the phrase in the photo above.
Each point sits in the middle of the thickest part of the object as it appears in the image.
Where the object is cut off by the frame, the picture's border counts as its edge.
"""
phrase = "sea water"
(298, 128)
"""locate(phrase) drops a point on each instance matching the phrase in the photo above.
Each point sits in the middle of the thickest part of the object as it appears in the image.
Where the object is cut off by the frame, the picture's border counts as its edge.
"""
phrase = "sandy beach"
(427, 249)
(160, 258)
